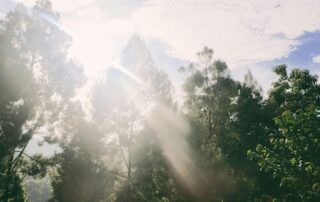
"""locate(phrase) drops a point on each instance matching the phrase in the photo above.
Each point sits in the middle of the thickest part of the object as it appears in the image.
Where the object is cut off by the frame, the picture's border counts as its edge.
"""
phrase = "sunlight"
(131, 75)
(91, 45)
(172, 130)
(93, 106)
(91, 42)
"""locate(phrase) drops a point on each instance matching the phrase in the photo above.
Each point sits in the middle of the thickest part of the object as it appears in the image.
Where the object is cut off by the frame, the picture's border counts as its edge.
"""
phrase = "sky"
(253, 35)
(247, 34)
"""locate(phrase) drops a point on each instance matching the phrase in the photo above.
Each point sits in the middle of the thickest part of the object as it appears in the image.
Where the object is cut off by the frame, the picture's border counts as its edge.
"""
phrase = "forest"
(226, 141)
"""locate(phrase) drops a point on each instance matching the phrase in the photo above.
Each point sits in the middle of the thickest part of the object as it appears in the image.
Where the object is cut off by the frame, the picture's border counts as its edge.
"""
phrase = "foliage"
(81, 173)
(212, 97)
(33, 68)
(227, 143)
(292, 155)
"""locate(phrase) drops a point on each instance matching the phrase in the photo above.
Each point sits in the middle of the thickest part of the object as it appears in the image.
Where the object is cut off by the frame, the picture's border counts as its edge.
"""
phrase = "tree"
(294, 144)
(211, 97)
(34, 69)
(81, 172)
(150, 179)
(227, 119)
(17, 100)
(135, 91)
(252, 120)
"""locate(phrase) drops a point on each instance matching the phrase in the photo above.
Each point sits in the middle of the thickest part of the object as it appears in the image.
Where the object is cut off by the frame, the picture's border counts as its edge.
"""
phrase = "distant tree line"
(226, 143)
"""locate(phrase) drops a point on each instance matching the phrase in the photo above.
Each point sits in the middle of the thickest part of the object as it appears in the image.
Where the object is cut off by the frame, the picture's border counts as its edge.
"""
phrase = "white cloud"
(241, 32)
(67, 5)
(316, 59)
(61, 5)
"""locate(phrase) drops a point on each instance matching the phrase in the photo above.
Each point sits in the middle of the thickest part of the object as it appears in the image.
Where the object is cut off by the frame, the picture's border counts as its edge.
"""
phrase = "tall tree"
(149, 180)
(210, 97)
(134, 91)
(227, 119)
(16, 101)
(34, 71)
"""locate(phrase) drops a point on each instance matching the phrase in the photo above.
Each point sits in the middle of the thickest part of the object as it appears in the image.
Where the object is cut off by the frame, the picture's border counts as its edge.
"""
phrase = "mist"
(109, 109)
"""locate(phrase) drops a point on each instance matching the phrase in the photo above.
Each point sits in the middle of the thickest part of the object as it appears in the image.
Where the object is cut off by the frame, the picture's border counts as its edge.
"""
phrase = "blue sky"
(305, 52)
(303, 56)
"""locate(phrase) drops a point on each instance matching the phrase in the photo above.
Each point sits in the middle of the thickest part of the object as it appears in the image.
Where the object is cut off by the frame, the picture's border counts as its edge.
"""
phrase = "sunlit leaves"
(292, 156)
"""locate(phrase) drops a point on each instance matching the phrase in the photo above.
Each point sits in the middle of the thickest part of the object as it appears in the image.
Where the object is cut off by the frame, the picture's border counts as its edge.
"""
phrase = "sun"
(91, 45)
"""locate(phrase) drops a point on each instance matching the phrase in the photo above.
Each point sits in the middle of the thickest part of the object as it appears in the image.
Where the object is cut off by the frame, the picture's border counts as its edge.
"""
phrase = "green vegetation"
(226, 143)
